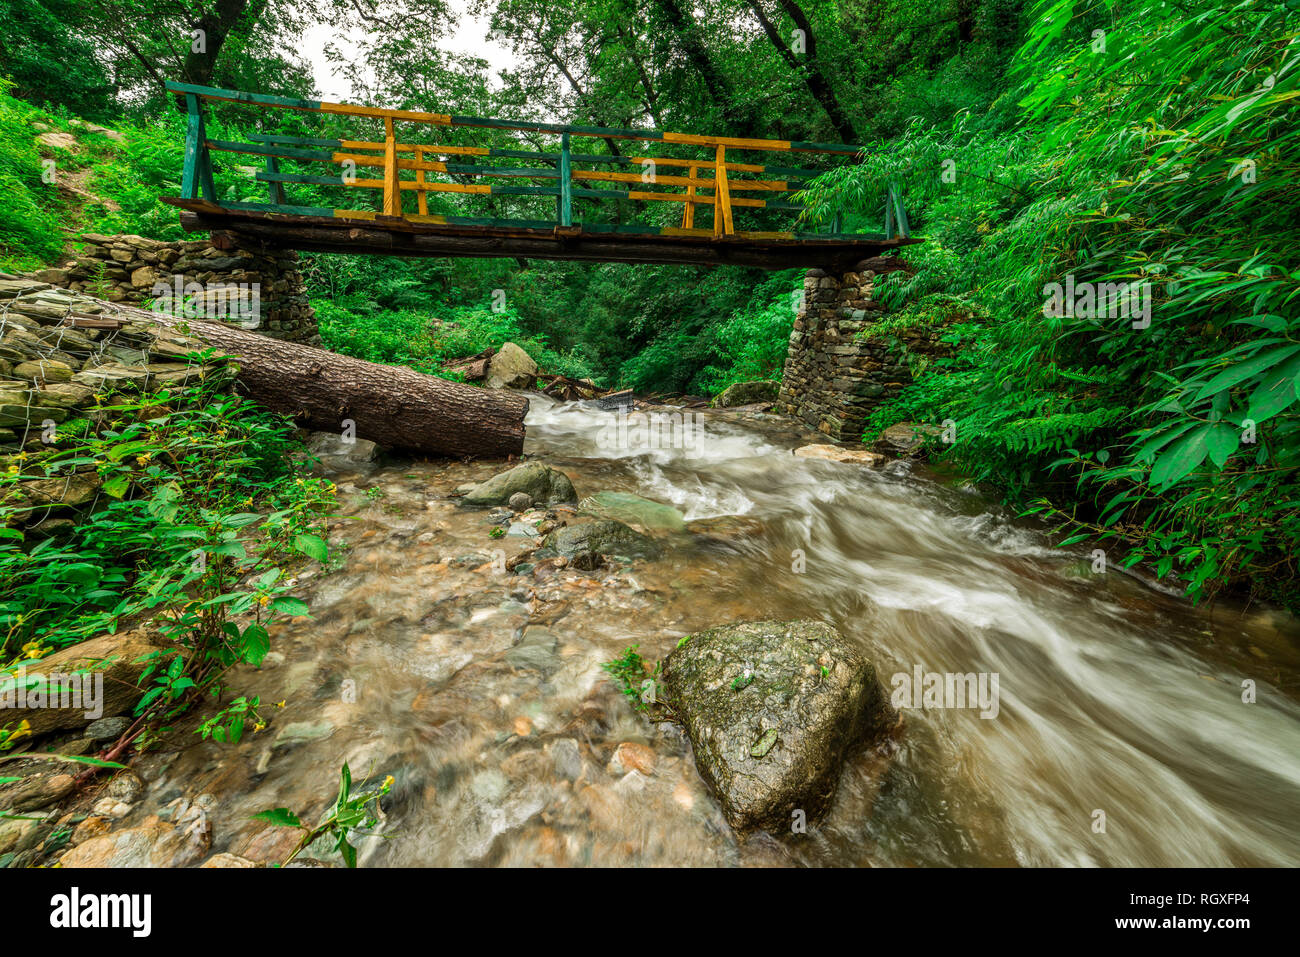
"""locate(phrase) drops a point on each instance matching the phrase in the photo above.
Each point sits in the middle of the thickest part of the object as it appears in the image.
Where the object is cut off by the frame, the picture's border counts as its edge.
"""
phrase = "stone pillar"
(835, 371)
(133, 269)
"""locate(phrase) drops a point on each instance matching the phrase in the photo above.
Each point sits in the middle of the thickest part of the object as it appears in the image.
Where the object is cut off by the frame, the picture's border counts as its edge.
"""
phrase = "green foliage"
(422, 340)
(199, 514)
(29, 216)
(1164, 159)
(50, 59)
(350, 814)
(631, 673)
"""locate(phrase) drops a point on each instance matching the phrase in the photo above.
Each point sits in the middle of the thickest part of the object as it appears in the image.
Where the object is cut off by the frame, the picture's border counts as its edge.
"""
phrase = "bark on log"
(392, 405)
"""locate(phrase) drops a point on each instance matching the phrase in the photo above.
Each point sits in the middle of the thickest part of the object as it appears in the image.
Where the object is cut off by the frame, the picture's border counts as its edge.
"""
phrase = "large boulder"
(772, 708)
(748, 393)
(116, 660)
(510, 368)
(605, 537)
(543, 484)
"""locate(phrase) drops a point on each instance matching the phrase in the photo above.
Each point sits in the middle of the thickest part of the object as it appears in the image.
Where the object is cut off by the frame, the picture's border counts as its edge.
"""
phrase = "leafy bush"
(202, 513)
(1154, 154)
(423, 340)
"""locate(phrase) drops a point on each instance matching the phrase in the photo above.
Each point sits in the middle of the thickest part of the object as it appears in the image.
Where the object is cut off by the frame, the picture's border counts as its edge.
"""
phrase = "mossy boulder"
(543, 484)
(605, 537)
(747, 393)
(772, 708)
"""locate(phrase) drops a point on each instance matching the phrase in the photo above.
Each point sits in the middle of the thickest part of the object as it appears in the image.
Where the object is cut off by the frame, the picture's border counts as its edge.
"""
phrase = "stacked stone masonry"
(835, 371)
(129, 269)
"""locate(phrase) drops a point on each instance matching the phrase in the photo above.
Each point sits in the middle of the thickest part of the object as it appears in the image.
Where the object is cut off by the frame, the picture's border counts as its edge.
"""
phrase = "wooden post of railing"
(197, 174)
(421, 197)
(688, 214)
(565, 199)
(722, 223)
(392, 188)
(277, 188)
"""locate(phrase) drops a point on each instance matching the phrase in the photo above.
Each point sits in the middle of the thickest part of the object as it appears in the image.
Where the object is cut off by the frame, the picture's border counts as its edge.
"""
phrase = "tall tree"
(808, 65)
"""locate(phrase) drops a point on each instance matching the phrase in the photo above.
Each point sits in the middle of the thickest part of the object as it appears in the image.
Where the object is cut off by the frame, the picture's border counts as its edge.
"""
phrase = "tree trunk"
(392, 405)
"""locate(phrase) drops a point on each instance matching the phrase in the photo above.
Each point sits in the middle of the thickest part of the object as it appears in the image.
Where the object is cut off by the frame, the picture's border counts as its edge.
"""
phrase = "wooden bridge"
(413, 182)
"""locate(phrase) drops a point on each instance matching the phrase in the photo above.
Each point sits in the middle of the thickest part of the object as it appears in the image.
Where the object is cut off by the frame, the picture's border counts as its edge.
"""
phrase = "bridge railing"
(713, 186)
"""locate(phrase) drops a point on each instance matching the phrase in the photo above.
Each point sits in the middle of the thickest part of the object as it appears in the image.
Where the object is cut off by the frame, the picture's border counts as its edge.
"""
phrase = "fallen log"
(566, 389)
(394, 406)
(475, 368)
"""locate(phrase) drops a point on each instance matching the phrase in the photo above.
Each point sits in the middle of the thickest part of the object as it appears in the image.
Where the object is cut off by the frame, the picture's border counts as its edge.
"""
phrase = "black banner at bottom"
(268, 906)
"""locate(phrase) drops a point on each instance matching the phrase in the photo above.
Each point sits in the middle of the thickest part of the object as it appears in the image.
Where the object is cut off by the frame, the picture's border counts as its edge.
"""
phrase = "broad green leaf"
(1181, 459)
(1221, 442)
(290, 605)
(257, 642)
(1275, 393)
(280, 817)
(1242, 371)
(117, 485)
(313, 546)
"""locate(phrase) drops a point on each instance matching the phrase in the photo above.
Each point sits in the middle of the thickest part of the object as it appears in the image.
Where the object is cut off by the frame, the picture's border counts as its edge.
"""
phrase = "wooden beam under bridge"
(403, 237)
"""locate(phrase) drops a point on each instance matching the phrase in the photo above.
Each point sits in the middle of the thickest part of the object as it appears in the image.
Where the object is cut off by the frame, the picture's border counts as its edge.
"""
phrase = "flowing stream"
(481, 692)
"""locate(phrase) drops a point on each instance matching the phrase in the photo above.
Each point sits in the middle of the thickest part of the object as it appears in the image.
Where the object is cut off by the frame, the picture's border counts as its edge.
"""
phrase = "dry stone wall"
(836, 372)
(132, 269)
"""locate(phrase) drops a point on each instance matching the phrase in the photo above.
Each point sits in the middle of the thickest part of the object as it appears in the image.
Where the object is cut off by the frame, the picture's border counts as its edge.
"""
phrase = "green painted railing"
(715, 181)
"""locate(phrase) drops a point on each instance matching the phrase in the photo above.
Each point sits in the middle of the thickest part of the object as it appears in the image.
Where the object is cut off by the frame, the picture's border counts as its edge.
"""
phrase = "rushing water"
(1114, 697)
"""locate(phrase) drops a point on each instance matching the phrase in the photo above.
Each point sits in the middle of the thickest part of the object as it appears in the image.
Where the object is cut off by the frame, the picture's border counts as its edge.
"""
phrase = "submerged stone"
(605, 537)
(634, 510)
(772, 708)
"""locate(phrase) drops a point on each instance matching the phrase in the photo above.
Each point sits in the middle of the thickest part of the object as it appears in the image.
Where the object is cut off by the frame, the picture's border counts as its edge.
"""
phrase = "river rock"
(747, 393)
(520, 502)
(726, 529)
(155, 843)
(18, 834)
(904, 438)
(107, 729)
(226, 860)
(336, 452)
(536, 650)
(634, 510)
(605, 537)
(117, 657)
(542, 483)
(771, 709)
(37, 790)
(510, 368)
(833, 453)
